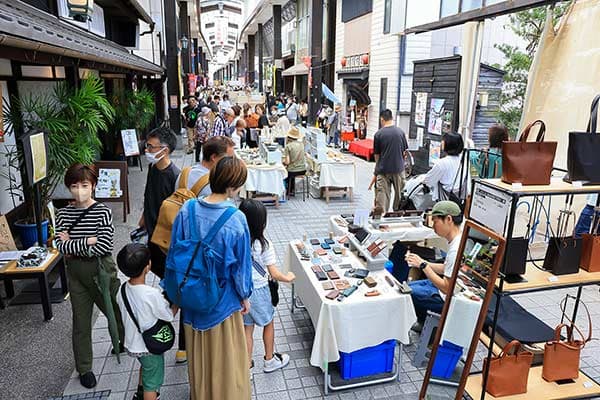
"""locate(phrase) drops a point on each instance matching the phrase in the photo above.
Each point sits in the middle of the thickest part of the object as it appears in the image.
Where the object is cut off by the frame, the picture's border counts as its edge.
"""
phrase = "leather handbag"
(561, 357)
(590, 247)
(583, 163)
(564, 252)
(528, 163)
(508, 373)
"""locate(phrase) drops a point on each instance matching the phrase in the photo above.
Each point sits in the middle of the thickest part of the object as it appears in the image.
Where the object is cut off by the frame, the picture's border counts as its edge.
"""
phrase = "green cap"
(443, 208)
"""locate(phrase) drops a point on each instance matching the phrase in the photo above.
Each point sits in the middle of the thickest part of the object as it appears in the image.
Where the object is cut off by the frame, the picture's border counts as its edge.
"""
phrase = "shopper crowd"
(221, 306)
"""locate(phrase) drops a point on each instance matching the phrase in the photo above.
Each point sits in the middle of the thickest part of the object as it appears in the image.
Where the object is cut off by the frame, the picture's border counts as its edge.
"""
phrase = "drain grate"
(103, 395)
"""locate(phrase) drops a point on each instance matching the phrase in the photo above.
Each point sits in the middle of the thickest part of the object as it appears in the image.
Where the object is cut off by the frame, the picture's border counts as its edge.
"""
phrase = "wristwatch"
(423, 265)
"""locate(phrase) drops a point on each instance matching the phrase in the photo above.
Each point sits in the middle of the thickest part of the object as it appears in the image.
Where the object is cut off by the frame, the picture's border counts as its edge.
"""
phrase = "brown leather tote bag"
(528, 163)
(508, 372)
(561, 357)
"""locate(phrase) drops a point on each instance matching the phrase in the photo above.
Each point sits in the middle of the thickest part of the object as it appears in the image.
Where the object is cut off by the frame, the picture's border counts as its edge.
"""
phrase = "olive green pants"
(85, 293)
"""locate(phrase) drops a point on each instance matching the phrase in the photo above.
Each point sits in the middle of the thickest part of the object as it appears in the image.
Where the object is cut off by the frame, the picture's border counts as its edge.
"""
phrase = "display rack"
(535, 280)
(373, 263)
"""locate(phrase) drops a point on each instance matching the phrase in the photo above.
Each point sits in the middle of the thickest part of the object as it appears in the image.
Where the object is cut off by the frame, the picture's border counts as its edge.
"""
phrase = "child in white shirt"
(148, 306)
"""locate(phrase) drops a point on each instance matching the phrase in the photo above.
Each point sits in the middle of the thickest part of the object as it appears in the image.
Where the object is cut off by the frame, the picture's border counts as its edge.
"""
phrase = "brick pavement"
(294, 332)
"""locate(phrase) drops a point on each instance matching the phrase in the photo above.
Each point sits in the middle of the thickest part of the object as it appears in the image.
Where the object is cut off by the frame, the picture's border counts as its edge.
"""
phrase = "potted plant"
(72, 117)
(134, 109)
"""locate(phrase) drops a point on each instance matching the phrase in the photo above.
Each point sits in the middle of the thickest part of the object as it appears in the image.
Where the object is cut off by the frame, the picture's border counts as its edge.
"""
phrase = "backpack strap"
(219, 224)
(183, 179)
(128, 306)
(202, 182)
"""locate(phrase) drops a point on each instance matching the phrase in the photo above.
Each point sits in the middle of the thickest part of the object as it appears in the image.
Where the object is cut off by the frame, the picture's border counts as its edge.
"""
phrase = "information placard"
(130, 142)
(490, 207)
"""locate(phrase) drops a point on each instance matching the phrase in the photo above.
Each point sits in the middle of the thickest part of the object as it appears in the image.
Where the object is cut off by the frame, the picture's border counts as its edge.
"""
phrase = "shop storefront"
(354, 74)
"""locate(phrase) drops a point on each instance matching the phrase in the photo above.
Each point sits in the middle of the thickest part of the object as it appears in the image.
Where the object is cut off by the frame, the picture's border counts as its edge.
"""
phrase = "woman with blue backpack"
(209, 275)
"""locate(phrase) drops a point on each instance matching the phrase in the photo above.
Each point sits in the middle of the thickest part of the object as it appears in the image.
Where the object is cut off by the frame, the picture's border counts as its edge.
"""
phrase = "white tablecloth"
(337, 174)
(266, 179)
(358, 321)
(402, 232)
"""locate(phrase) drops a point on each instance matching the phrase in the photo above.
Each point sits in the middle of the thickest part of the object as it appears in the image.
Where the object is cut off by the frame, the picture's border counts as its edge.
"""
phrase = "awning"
(298, 69)
(24, 26)
(354, 73)
(329, 94)
(359, 94)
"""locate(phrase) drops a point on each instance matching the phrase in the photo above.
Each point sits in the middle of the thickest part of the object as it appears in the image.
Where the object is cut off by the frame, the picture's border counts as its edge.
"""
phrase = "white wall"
(384, 59)
(418, 47)
(338, 88)
(155, 10)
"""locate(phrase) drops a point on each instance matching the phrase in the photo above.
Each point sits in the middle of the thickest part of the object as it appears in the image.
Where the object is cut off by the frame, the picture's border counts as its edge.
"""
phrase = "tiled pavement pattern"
(294, 332)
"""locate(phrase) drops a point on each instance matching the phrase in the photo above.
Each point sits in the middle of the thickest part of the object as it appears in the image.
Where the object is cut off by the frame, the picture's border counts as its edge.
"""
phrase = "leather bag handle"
(508, 347)
(541, 133)
(563, 308)
(593, 122)
(570, 344)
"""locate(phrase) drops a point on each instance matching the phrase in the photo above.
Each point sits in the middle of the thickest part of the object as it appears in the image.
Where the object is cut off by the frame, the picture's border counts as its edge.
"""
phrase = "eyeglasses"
(151, 147)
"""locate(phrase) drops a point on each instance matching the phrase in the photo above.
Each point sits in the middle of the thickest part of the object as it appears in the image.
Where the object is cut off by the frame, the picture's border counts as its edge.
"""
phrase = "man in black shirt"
(389, 145)
(191, 112)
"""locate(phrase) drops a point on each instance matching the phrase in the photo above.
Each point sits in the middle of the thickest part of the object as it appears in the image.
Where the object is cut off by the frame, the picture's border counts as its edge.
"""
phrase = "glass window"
(387, 16)
(468, 5)
(448, 7)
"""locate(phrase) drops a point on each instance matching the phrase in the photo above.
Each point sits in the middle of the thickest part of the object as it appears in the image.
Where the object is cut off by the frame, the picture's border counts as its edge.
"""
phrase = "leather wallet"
(327, 267)
(321, 276)
(372, 293)
(372, 246)
(341, 284)
(328, 285)
(321, 252)
(360, 273)
(344, 239)
(332, 295)
(316, 268)
(370, 282)
(337, 250)
(315, 242)
(333, 275)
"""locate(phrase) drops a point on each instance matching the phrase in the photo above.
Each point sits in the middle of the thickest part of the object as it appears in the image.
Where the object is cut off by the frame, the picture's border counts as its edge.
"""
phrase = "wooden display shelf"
(538, 388)
(556, 186)
(537, 279)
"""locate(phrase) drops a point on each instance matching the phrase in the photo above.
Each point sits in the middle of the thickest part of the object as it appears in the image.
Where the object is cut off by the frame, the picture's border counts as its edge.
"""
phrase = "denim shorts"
(261, 309)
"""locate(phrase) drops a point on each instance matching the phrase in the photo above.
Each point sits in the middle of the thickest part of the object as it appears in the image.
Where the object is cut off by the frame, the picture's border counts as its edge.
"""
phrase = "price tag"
(553, 279)
(587, 384)
(517, 186)
(577, 184)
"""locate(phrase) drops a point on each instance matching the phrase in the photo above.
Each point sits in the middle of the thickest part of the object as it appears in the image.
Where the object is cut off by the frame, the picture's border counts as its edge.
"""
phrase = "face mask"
(81, 194)
(152, 157)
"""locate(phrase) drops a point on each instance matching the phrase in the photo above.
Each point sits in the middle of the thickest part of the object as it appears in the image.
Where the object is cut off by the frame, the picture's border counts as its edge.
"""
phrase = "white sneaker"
(277, 362)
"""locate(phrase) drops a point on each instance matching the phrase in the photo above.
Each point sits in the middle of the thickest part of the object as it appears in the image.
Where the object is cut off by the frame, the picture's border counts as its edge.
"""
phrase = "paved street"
(294, 332)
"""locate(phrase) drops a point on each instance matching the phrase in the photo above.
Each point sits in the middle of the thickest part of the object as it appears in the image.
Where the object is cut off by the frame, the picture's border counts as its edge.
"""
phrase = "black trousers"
(197, 150)
(291, 181)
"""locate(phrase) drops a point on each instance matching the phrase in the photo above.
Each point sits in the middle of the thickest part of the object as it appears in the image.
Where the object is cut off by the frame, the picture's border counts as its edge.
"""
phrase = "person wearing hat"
(294, 158)
(430, 293)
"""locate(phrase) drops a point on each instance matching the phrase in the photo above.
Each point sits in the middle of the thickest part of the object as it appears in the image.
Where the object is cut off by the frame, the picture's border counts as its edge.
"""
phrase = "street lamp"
(80, 10)
(184, 42)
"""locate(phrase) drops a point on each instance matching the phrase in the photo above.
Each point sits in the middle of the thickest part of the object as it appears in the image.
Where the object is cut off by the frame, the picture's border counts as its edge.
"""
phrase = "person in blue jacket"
(215, 341)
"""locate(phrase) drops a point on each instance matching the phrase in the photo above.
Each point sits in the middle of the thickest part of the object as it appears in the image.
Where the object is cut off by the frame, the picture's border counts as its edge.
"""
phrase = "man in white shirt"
(430, 293)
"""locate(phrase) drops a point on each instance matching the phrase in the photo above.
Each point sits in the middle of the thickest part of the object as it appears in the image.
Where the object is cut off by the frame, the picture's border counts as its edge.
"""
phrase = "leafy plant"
(133, 109)
(71, 117)
(528, 25)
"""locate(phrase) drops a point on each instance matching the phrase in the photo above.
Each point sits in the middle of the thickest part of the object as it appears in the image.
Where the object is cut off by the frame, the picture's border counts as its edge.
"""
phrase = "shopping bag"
(528, 163)
(508, 373)
(590, 247)
(583, 163)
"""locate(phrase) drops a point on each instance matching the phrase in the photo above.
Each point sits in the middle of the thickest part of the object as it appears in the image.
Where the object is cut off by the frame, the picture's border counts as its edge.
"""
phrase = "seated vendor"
(430, 293)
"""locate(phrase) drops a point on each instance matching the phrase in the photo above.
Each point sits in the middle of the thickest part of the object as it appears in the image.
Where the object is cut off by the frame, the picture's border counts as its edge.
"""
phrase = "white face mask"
(152, 157)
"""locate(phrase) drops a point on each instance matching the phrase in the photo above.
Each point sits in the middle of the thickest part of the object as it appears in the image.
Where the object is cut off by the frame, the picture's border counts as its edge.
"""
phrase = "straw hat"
(338, 107)
(294, 133)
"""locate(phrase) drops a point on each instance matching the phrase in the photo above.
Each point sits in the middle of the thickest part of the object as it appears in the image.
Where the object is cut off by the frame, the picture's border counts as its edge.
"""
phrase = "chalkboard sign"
(113, 186)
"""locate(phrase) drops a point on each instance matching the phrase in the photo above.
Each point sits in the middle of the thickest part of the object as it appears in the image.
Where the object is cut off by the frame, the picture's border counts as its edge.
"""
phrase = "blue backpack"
(191, 269)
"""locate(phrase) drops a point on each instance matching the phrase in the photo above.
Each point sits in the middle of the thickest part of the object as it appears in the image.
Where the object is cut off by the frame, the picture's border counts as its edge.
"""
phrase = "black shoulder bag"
(273, 284)
(160, 337)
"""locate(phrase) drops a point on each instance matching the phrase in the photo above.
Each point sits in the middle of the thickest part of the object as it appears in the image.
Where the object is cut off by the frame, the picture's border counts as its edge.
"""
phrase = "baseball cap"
(443, 208)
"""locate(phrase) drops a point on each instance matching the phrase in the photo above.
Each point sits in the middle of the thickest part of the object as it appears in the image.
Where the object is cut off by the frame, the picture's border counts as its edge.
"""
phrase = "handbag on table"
(508, 373)
(583, 163)
(564, 251)
(590, 247)
(528, 163)
(561, 357)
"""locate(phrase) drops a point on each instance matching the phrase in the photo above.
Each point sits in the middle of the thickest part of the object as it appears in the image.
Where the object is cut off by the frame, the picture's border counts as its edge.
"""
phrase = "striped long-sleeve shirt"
(97, 223)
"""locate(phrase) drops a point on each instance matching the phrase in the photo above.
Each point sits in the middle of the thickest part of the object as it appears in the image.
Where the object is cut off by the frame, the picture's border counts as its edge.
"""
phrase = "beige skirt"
(218, 361)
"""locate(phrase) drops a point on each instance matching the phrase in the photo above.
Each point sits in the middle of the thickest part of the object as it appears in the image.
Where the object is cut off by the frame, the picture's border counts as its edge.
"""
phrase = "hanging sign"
(420, 108)
(130, 142)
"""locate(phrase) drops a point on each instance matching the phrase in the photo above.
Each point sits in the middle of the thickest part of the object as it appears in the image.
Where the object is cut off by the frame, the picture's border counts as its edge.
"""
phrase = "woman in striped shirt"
(85, 236)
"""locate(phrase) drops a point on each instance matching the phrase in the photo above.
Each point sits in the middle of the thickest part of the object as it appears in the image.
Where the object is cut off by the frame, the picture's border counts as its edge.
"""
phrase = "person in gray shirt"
(291, 111)
(389, 145)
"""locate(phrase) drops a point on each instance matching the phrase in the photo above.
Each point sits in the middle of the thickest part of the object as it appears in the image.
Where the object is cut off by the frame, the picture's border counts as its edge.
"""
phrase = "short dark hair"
(165, 136)
(229, 172)
(386, 115)
(497, 134)
(456, 220)
(453, 143)
(132, 259)
(225, 97)
(79, 172)
(216, 97)
(191, 96)
(237, 110)
(216, 145)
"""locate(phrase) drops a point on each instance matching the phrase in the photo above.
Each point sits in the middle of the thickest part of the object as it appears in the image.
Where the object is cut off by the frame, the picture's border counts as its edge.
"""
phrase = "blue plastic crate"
(446, 359)
(368, 361)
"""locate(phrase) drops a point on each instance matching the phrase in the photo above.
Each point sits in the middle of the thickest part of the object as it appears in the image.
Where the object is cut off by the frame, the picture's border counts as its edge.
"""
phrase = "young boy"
(148, 306)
